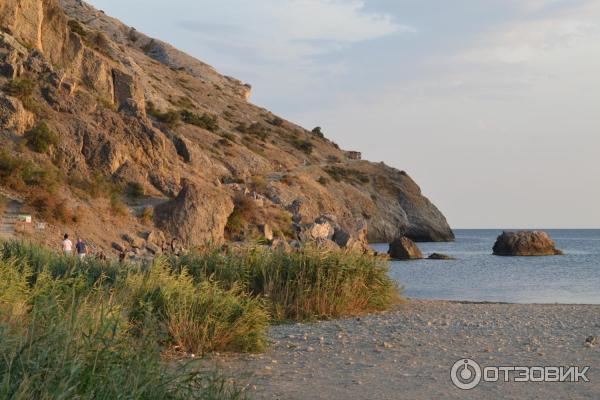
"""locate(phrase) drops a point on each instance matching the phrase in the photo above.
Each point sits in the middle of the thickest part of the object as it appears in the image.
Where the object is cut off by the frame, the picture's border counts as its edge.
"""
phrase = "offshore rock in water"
(404, 249)
(439, 256)
(525, 243)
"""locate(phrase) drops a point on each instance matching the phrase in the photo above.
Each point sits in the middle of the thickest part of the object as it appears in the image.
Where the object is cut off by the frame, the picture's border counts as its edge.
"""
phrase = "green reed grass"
(308, 284)
(100, 329)
(88, 330)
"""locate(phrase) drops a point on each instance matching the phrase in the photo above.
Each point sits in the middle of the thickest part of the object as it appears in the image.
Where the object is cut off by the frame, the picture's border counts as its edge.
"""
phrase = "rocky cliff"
(109, 133)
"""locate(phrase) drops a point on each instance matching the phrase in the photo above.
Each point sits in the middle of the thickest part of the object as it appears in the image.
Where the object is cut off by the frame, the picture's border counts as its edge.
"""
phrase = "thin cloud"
(288, 30)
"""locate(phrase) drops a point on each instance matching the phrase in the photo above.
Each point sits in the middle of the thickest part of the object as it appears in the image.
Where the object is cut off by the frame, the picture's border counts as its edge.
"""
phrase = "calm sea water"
(477, 275)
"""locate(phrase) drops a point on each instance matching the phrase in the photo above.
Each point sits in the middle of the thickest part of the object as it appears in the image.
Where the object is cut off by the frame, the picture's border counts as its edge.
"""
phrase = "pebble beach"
(408, 353)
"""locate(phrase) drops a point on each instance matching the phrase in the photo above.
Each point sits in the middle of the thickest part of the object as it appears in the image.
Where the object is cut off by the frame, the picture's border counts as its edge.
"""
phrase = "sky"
(492, 106)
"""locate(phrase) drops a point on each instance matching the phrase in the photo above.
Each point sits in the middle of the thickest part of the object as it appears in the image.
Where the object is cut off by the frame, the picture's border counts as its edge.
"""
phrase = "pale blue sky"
(493, 106)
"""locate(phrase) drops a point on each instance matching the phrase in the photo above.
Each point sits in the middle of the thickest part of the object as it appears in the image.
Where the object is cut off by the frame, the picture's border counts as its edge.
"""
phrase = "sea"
(477, 275)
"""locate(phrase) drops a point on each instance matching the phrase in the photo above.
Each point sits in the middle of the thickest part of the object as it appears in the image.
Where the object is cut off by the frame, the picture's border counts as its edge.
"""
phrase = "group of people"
(80, 247)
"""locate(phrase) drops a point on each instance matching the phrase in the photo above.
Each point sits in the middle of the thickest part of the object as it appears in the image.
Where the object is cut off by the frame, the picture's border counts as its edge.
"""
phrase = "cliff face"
(134, 118)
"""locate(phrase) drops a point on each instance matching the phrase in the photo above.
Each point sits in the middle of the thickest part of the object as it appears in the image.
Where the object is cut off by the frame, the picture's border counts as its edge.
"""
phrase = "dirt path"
(408, 353)
(8, 219)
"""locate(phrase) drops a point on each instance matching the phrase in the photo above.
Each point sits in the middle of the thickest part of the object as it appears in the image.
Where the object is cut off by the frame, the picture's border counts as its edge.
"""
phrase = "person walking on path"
(81, 248)
(67, 245)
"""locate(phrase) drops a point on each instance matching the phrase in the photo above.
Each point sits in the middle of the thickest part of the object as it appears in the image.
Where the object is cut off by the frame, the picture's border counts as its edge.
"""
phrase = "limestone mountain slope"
(109, 133)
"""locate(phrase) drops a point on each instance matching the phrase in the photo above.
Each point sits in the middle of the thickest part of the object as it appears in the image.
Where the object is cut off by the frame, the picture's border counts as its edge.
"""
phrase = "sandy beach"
(408, 353)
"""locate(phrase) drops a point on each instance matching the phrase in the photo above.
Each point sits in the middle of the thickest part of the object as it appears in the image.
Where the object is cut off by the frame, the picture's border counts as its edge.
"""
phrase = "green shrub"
(117, 205)
(185, 103)
(224, 142)
(41, 138)
(206, 121)
(132, 35)
(20, 88)
(18, 173)
(349, 175)
(106, 103)
(147, 215)
(76, 27)
(318, 132)
(276, 121)
(243, 211)
(100, 41)
(51, 208)
(23, 89)
(148, 47)
(305, 146)
(290, 180)
(10, 168)
(227, 139)
(170, 117)
(255, 129)
(323, 180)
(229, 136)
(259, 184)
(332, 159)
(31, 104)
(95, 186)
(135, 190)
(46, 177)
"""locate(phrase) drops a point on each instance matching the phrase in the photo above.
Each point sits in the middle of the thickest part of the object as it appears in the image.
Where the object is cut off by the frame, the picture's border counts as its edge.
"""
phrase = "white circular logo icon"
(465, 374)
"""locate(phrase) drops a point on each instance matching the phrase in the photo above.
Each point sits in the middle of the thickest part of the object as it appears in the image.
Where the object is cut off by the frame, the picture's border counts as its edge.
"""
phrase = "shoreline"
(408, 352)
(497, 302)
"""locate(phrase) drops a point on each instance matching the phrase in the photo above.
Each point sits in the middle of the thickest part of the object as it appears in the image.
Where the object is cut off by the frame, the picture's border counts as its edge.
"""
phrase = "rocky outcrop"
(85, 57)
(158, 50)
(13, 116)
(197, 216)
(404, 249)
(266, 232)
(354, 237)
(525, 243)
(412, 214)
(129, 95)
(92, 78)
(327, 233)
(322, 229)
(13, 54)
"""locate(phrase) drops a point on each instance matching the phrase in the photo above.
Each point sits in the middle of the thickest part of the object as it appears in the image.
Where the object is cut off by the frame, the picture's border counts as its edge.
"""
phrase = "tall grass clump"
(197, 317)
(80, 348)
(99, 329)
(96, 329)
(307, 284)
